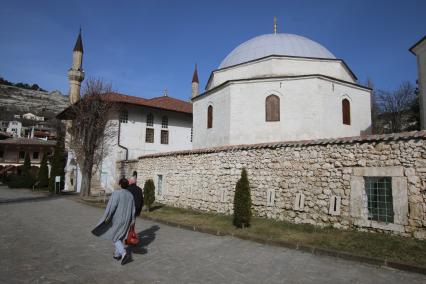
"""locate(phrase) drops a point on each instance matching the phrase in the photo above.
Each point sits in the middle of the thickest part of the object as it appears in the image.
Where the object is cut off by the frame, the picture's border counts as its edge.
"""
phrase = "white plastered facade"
(310, 103)
(420, 51)
(132, 137)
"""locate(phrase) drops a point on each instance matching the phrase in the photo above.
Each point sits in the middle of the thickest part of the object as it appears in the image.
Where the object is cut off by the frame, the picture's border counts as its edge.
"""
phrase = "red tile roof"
(26, 141)
(164, 102)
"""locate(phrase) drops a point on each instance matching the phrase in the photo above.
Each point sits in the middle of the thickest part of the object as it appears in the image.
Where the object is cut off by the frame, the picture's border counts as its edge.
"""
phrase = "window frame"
(164, 139)
(346, 111)
(272, 108)
(150, 120)
(124, 116)
(382, 185)
(38, 155)
(164, 122)
(149, 130)
(209, 117)
(19, 155)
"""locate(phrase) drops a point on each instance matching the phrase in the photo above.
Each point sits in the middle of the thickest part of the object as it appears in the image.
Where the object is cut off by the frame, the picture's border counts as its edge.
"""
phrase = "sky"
(144, 47)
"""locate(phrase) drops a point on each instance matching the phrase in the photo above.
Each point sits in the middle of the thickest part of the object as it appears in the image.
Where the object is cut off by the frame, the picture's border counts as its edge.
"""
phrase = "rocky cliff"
(41, 103)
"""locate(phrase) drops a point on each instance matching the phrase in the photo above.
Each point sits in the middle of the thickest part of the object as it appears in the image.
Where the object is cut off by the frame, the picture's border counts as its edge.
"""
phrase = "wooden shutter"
(346, 111)
(272, 106)
(210, 117)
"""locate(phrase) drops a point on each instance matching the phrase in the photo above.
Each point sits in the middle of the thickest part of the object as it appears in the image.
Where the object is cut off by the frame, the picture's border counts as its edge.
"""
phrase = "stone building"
(419, 49)
(280, 87)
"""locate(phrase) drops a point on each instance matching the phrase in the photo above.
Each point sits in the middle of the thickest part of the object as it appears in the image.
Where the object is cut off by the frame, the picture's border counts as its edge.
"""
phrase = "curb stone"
(289, 245)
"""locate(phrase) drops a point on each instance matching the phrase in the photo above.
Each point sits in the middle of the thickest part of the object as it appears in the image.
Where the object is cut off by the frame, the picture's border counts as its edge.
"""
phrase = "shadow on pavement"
(145, 238)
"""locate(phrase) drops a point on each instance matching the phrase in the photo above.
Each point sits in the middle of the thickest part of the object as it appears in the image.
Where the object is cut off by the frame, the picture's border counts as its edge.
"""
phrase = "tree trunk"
(86, 178)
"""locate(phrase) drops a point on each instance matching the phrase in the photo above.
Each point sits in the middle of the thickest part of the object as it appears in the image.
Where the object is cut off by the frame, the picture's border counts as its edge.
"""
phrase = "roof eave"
(282, 56)
(278, 77)
(416, 44)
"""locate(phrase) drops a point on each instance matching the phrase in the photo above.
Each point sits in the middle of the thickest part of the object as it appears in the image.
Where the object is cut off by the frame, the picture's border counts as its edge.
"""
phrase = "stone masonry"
(319, 182)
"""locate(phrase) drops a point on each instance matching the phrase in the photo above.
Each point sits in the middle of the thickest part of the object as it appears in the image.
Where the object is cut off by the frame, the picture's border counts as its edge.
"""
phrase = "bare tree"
(375, 111)
(88, 134)
(395, 107)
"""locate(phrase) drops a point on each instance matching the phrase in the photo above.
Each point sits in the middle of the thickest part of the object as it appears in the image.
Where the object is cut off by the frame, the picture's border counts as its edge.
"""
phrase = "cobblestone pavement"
(9, 193)
(49, 241)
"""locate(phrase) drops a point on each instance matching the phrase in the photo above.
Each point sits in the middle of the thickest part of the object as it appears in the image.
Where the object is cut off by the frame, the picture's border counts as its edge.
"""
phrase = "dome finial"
(275, 25)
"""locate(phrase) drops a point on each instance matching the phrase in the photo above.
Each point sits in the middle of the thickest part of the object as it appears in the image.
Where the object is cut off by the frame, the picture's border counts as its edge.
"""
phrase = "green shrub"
(25, 179)
(26, 168)
(20, 181)
(242, 202)
(43, 173)
(58, 164)
(149, 193)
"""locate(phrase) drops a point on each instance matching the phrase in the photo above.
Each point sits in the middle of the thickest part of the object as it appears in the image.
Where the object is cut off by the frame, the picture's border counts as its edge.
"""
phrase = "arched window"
(164, 122)
(210, 117)
(346, 112)
(272, 105)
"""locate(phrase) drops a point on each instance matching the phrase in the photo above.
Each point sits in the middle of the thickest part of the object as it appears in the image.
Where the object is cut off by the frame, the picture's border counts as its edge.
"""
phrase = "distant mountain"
(19, 100)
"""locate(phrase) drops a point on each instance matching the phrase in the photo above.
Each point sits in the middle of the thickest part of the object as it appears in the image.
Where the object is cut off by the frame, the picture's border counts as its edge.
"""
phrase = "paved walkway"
(49, 241)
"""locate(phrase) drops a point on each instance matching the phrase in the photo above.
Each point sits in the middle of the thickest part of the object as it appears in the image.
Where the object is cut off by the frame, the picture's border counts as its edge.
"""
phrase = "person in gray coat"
(119, 215)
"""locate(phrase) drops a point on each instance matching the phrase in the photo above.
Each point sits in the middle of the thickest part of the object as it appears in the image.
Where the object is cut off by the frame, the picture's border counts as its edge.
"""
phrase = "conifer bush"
(58, 164)
(149, 193)
(242, 202)
(25, 179)
(43, 173)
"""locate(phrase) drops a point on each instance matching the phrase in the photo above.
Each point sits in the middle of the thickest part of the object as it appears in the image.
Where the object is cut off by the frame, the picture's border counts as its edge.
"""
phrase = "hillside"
(18, 100)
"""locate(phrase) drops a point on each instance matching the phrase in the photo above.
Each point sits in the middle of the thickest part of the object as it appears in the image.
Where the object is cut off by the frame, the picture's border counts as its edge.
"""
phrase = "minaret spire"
(275, 25)
(76, 73)
(195, 75)
(195, 83)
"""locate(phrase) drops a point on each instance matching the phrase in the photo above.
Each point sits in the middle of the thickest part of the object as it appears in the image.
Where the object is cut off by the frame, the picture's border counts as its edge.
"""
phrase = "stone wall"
(316, 182)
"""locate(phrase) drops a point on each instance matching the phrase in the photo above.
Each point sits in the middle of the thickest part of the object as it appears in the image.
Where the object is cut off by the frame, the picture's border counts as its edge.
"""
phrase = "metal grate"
(124, 116)
(150, 120)
(380, 202)
(164, 122)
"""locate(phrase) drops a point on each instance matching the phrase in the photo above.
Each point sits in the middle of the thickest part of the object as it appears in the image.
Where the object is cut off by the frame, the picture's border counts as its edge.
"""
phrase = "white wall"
(15, 125)
(310, 108)
(133, 137)
(219, 133)
(282, 66)
(420, 51)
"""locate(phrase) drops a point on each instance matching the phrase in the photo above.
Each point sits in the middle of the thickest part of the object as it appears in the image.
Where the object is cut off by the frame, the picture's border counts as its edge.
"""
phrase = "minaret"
(275, 25)
(195, 83)
(76, 73)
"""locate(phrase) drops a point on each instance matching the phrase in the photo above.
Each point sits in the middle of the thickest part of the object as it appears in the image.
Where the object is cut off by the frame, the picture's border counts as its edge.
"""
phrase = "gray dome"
(275, 44)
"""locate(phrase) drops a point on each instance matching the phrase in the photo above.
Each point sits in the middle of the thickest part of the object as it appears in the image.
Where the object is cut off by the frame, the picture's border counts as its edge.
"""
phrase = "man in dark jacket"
(136, 191)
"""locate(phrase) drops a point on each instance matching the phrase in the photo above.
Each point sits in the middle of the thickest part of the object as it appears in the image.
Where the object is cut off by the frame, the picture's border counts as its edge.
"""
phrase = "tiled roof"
(343, 140)
(26, 141)
(164, 102)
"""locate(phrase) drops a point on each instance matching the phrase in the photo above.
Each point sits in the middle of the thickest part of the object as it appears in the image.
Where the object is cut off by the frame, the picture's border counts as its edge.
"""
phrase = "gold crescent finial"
(275, 25)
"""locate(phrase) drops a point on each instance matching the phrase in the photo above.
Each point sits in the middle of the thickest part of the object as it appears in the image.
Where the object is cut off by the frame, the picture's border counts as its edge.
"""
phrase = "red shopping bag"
(132, 238)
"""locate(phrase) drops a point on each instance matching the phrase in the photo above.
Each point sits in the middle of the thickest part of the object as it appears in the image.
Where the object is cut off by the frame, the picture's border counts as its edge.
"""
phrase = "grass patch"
(381, 246)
